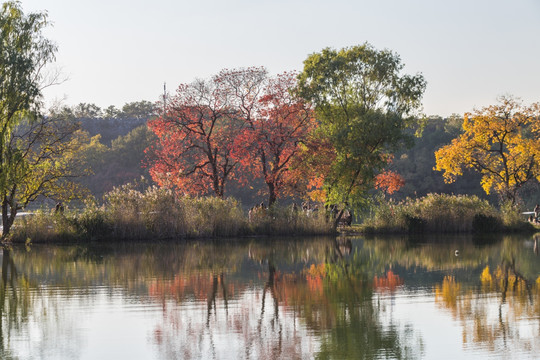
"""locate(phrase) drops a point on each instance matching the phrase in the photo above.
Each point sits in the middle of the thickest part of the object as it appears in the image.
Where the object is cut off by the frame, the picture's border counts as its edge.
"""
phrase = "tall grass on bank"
(440, 213)
(130, 214)
(286, 221)
(159, 213)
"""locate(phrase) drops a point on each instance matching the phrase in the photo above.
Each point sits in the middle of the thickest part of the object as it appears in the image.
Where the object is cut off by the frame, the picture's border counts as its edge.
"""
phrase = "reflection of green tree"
(15, 302)
(9, 303)
(355, 330)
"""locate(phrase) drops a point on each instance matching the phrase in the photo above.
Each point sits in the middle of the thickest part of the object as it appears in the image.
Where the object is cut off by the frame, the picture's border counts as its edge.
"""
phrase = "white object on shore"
(24, 213)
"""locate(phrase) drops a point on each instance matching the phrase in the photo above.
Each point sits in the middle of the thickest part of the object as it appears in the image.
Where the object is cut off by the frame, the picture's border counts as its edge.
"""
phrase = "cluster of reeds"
(439, 213)
(157, 213)
(289, 221)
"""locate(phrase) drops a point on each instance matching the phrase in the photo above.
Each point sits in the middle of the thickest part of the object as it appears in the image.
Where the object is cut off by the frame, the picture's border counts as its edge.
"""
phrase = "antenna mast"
(164, 97)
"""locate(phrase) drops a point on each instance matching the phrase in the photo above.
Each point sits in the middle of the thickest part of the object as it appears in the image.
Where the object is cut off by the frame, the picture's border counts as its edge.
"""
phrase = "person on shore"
(536, 213)
(59, 209)
(294, 210)
(251, 212)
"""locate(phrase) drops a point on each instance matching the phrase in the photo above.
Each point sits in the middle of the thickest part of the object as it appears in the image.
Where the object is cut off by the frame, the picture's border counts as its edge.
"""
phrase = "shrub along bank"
(441, 213)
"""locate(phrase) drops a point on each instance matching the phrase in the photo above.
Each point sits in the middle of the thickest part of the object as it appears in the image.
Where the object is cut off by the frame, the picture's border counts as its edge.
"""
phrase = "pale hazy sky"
(118, 51)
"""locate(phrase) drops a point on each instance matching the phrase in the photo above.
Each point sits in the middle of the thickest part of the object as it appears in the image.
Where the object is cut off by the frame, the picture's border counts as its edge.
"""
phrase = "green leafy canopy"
(364, 104)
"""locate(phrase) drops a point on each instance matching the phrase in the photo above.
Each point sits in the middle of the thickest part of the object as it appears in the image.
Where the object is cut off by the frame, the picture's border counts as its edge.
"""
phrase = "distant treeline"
(111, 122)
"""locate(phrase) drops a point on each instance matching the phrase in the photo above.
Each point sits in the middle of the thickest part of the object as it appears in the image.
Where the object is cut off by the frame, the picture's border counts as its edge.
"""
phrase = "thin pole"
(164, 97)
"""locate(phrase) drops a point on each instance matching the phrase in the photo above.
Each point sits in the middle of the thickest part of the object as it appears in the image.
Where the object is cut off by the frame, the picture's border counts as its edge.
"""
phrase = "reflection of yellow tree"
(494, 316)
(515, 289)
(448, 293)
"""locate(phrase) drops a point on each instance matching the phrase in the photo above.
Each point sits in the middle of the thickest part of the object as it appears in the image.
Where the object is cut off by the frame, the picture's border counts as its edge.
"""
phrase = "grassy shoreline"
(158, 215)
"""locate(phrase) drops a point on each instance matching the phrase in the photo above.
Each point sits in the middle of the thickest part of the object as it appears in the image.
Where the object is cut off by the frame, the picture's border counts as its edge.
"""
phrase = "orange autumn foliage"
(389, 181)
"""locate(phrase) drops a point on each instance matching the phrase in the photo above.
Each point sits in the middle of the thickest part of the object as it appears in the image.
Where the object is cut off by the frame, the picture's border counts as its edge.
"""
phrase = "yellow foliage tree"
(502, 142)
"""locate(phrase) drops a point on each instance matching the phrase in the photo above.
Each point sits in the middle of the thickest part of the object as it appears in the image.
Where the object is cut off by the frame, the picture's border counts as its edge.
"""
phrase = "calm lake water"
(357, 298)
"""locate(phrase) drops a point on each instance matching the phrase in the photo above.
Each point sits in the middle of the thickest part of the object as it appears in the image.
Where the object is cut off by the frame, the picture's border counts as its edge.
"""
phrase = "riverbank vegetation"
(158, 214)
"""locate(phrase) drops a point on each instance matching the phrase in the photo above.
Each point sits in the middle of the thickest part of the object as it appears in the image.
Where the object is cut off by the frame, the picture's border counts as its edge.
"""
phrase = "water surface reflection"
(270, 299)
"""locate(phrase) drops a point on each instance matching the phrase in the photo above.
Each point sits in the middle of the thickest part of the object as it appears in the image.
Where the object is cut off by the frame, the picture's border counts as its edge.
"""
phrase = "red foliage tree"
(238, 117)
(277, 123)
(196, 135)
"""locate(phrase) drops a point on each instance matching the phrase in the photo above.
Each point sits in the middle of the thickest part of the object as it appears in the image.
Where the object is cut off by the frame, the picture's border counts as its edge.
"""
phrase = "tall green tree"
(43, 157)
(364, 104)
(36, 152)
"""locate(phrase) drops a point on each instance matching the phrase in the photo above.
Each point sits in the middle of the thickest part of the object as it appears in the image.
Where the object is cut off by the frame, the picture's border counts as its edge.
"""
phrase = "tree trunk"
(272, 196)
(338, 218)
(8, 217)
(5, 220)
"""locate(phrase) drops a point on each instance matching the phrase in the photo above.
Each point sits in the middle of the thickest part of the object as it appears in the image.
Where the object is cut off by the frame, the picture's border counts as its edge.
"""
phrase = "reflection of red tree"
(198, 286)
(314, 279)
(387, 283)
(255, 320)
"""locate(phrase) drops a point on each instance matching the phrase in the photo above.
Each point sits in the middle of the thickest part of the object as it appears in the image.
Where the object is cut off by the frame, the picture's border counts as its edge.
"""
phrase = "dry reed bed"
(442, 213)
(155, 213)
